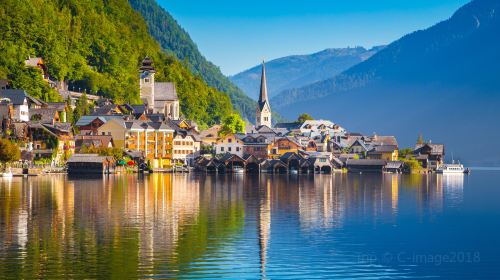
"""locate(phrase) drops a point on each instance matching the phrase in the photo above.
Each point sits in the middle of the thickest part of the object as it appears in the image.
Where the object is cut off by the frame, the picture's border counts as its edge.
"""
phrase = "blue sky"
(237, 35)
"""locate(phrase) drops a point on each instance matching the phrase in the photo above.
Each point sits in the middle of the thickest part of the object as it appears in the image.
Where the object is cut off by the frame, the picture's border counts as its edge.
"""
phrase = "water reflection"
(453, 184)
(199, 226)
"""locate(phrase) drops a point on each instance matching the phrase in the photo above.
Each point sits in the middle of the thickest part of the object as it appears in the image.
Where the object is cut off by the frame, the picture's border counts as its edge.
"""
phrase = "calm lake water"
(236, 226)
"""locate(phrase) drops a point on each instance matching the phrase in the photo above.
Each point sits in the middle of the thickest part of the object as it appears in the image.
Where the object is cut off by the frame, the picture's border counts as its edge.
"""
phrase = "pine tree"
(420, 139)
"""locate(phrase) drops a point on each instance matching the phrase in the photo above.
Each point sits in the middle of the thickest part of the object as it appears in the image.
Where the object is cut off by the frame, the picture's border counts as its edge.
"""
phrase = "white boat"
(452, 168)
(238, 170)
(294, 172)
(7, 173)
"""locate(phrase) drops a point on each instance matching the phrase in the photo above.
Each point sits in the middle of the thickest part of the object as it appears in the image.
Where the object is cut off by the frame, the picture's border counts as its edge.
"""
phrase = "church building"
(263, 113)
(159, 98)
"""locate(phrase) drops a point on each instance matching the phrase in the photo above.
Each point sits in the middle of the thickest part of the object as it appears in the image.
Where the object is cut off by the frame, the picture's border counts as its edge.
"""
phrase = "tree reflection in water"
(192, 225)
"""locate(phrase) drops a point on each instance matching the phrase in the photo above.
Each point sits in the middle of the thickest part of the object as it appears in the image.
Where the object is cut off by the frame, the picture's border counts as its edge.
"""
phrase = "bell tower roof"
(147, 65)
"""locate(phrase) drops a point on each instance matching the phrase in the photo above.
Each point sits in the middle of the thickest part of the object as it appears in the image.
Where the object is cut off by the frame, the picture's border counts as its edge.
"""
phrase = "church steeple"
(263, 114)
(147, 83)
(263, 85)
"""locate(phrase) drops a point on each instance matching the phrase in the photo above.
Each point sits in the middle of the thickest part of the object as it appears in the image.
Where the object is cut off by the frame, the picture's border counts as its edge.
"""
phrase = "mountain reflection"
(171, 225)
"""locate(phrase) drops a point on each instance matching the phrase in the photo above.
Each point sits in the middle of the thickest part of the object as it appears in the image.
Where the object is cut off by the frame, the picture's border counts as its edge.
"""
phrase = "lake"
(251, 226)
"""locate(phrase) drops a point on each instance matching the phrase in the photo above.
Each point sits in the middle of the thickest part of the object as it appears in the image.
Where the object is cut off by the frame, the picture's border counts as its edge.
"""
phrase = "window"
(103, 133)
(109, 132)
(237, 149)
(146, 80)
(229, 149)
(229, 140)
(222, 149)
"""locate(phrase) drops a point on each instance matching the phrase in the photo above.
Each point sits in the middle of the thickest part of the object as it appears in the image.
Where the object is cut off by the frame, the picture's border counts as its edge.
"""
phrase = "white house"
(229, 144)
(321, 126)
(19, 100)
(186, 147)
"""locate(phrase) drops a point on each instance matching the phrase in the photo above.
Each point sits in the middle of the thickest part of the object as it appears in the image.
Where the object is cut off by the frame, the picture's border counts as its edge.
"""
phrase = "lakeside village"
(154, 137)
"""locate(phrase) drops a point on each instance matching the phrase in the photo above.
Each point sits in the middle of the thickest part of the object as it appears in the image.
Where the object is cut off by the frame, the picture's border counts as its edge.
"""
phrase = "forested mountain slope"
(175, 40)
(95, 45)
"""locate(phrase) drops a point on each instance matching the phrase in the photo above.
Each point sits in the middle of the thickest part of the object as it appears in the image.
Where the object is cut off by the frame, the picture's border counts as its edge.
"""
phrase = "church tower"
(263, 113)
(147, 83)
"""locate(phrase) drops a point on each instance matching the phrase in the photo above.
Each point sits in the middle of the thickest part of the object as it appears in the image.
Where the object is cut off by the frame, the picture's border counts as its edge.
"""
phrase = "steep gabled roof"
(378, 140)
(108, 109)
(138, 109)
(59, 106)
(46, 115)
(360, 143)
(85, 120)
(383, 149)
(33, 61)
(165, 91)
(394, 164)
(288, 126)
(16, 96)
(435, 149)
(232, 157)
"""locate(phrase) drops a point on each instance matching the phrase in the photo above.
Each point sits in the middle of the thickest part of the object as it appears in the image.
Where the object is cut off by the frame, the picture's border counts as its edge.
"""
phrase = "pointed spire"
(263, 85)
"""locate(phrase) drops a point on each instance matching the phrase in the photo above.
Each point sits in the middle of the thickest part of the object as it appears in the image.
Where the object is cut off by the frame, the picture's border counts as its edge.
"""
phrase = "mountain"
(95, 45)
(175, 40)
(299, 70)
(442, 82)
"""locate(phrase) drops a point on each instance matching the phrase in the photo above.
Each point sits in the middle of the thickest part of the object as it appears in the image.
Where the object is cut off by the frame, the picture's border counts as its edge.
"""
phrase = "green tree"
(116, 153)
(82, 108)
(69, 112)
(420, 139)
(9, 151)
(405, 152)
(412, 165)
(232, 124)
(304, 117)
(84, 149)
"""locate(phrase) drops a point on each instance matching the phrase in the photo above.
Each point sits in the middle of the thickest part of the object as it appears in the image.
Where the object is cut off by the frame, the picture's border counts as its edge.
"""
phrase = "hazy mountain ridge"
(299, 70)
(422, 56)
(442, 81)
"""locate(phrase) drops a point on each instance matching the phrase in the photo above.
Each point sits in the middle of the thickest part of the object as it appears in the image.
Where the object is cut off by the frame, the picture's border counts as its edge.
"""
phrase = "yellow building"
(285, 145)
(117, 129)
(153, 139)
(384, 152)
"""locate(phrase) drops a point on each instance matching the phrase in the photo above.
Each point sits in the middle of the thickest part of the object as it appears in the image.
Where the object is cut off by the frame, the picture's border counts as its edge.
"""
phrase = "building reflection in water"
(264, 223)
(321, 201)
(120, 226)
(134, 227)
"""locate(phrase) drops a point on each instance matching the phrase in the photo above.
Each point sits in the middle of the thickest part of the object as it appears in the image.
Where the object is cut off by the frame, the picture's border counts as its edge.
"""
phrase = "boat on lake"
(7, 173)
(238, 170)
(452, 168)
